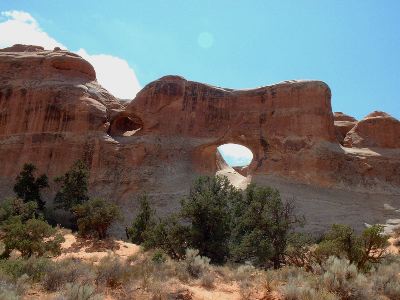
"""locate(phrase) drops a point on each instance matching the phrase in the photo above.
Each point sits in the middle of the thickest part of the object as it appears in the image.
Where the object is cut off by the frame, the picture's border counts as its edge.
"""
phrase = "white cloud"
(21, 28)
(112, 72)
(236, 155)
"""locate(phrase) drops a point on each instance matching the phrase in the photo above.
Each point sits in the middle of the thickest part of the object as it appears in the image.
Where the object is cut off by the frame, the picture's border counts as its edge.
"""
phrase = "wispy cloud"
(114, 73)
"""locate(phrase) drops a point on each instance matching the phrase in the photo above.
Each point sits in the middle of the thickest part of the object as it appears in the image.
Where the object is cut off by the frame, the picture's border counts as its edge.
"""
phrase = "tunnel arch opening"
(233, 161)
(126, 126)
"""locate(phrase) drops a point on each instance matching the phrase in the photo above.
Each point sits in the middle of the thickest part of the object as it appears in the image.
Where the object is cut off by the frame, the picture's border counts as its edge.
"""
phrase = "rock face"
(51, 109)
(53, 112)
(378, 129)
(343, 124)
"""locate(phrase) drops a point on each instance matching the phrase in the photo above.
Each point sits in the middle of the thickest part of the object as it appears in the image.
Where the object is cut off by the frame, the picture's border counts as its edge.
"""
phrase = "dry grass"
(153, 275)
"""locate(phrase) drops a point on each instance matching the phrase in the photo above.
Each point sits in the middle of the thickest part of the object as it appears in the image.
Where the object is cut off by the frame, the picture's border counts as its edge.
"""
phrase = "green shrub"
(386, 280)
(302, 291)
(262, 227)
(12, 289)
(169, 235)
(13, 207)
(221, 223)
(159, 257)
(143, 222)
(361, 250)
(67, 271)
(207, 212)
(112, 272)
(96, 216)
(28, 188)
(343, 279)
(34, 237)
(74, 187)
(195, 264)
(35, 267)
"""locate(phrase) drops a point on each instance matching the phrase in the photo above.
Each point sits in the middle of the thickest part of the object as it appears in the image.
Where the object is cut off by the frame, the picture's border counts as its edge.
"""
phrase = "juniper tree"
(28, 187)
(74, 187)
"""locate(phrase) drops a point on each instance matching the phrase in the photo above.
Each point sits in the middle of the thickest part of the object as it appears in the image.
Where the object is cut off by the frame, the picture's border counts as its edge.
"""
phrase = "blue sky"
(354, 46)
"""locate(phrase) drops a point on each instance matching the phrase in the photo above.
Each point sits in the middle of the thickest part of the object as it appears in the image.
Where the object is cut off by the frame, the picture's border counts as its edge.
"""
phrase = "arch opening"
(233, 161)
(126, 126)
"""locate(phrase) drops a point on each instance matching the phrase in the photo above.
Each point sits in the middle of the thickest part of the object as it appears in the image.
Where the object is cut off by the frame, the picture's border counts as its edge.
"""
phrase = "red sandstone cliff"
(53, 112)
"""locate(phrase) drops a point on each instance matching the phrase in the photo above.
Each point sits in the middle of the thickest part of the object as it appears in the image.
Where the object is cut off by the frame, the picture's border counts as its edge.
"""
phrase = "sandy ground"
(89, 250)
(235, 178)
(94, 251)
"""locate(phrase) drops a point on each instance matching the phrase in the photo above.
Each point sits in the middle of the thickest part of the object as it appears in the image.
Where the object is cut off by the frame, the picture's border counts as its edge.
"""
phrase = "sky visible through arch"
(352, 45)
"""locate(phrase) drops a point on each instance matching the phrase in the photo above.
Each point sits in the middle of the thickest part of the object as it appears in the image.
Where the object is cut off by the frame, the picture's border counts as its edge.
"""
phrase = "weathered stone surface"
(339, 116)
(23, 48)
(343, 124)
(266, 120)
(53, 112)
(50, 107)
(378, 129)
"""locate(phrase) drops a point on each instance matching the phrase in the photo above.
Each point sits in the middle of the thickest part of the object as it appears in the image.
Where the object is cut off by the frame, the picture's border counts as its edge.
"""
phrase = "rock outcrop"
(53, 112)
(343, 124)
(377, 130)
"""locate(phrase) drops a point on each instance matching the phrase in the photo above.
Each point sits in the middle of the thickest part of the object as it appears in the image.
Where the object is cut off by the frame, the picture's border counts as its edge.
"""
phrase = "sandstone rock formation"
(53, 112)
(343, 124)
(378, 129)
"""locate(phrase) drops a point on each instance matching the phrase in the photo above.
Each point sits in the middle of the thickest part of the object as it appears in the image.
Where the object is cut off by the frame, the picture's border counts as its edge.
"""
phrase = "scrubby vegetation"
(222, 223)
(96, 215)
(221, 236)
(28, 188)
(74, 187)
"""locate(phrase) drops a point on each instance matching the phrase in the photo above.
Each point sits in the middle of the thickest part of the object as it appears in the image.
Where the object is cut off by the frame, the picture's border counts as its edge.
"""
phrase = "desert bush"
(302, 291)
(28, 188)
(386, 280)
(143, 222)
(13, 289)
(195, 264)
(207, 211)
(222, 224)
(288, 272)
(13, 207)
(8, 292)
(159, 256)
(243, 272)
(112, 272)
(35, 267)
(169, 235)
(207, 279)
(74, 187)
(33, 237)
(362, 250)
(96, 216)
(67, 271)
(342, 278)
(80, 292)
(262, 226)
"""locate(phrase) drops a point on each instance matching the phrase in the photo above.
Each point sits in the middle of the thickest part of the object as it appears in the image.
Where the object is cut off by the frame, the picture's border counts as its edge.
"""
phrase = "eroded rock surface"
(378, 130)
(343, 124)
(53, 112)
